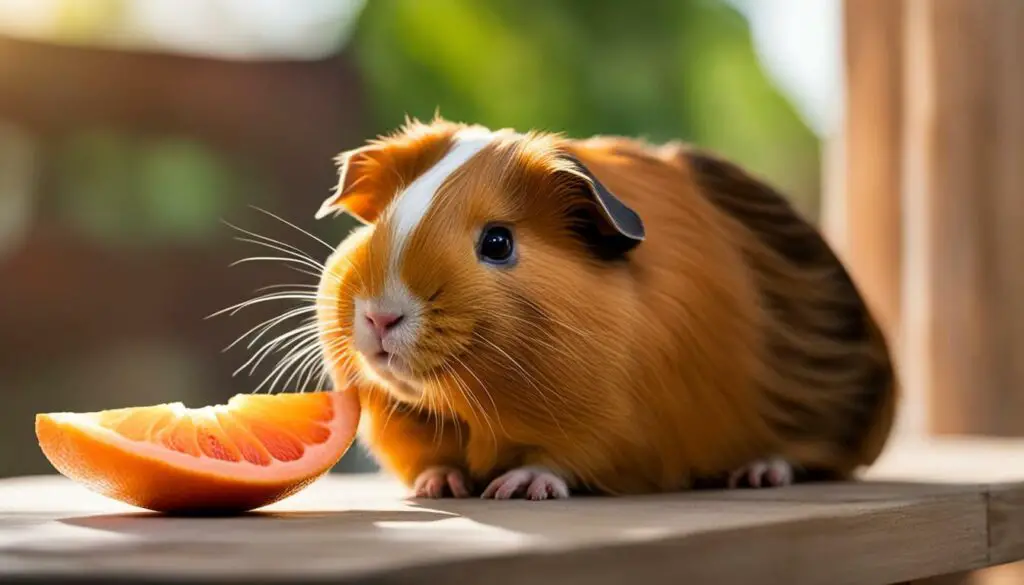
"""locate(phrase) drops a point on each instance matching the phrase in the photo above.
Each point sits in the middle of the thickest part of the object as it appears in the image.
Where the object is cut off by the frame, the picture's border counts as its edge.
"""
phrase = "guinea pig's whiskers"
(294, 364)
(391, 412)
(294, 358)
(278, 296)
(537, 338)
(516, 366)
(321, 380)
(284, 342)
(310, 307)
(543, 382)
(275, 373)
(327, 366)
(295, 287)
(479, 411)
(315, 372)
(302, 351)
(450, 404)
(267, 239)
(471, 400)
(435, 417)
(546, 403)
(304, 369)
(261, 329)
(271, 323)
(483, 386)
(279, 343)
(550, 319)
(545, 391)
(292, 225)
(563, 348)
(300, 346)
(285, 259)
(543, 387)
(288, 249)
(542, 393)
(438, 407)
(292, 253)
(305, 271)
(289, 340)
(323, 273)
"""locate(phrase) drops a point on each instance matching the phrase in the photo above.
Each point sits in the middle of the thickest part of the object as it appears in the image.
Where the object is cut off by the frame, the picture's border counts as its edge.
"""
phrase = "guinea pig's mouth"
(388, 361)
(395, 371)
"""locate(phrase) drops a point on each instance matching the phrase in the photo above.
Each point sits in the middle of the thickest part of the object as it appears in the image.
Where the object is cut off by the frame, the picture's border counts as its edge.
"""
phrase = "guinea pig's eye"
(496, 245)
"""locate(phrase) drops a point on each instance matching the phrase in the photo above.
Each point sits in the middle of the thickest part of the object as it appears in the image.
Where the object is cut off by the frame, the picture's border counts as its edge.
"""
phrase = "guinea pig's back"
(836, 397)
(750, 298)
(697, 345)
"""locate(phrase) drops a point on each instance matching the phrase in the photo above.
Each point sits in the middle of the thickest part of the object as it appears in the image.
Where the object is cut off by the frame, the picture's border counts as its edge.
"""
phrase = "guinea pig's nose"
(383, 322)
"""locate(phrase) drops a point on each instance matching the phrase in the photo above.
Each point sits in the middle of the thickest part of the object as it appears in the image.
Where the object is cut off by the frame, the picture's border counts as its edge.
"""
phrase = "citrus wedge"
(229, 458)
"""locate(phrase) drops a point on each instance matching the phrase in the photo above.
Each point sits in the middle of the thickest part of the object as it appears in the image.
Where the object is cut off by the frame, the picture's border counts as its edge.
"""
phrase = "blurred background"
(131, 129)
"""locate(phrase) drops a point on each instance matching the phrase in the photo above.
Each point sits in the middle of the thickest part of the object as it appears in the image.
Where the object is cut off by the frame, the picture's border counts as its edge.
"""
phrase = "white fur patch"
(411, 206)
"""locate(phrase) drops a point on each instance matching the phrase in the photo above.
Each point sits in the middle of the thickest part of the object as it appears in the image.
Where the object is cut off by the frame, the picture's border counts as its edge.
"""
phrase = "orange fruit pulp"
(228, 458)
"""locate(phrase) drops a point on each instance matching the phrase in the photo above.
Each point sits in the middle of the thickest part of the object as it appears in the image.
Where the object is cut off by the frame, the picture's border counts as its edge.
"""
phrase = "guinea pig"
(530, 315)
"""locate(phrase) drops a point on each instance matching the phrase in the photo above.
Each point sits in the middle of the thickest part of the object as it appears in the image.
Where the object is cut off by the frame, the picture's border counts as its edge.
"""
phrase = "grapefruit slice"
(228, 458)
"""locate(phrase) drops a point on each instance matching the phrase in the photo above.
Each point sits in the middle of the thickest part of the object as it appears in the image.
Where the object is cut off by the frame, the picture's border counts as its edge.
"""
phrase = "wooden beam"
(286, 117)
(251, 106)
(964, 209)
(864, 202)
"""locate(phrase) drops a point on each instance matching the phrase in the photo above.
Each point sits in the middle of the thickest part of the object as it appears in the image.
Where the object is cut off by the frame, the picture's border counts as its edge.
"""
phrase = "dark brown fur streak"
(839, 389)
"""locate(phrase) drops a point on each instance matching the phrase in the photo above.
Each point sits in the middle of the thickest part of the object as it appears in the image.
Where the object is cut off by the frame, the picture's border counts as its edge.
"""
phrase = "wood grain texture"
(954, 579)
(345, 531)
(1006, 523)
(996, 465)
(926, 510)
(964, 126)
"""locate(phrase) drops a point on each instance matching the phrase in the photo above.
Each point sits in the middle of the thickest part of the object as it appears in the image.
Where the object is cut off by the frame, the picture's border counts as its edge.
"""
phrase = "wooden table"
(924, 511)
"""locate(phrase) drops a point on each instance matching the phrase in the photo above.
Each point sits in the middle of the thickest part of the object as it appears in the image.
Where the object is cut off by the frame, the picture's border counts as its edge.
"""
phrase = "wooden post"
(963, 302)
(862, 207)
(868, 197)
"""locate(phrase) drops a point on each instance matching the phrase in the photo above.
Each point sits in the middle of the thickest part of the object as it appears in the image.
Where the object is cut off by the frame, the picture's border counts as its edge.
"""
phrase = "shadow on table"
(349, 521)
(652, 515)
(552, 519)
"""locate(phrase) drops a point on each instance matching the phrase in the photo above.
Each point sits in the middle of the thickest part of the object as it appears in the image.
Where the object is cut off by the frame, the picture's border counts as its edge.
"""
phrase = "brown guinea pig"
(527, 315)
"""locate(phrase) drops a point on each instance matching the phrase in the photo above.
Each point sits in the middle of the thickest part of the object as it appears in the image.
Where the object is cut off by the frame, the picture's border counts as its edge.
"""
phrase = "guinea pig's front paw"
(533, 483)
(770, 472)
(439, 481)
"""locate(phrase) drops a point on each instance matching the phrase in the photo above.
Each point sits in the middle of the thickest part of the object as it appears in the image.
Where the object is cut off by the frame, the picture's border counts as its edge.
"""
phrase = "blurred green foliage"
(684, 69)
(660, 70)
(142, 191)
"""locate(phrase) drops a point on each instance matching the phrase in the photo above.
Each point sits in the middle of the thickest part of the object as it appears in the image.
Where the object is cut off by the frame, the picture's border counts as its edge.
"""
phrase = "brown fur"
(732, 333)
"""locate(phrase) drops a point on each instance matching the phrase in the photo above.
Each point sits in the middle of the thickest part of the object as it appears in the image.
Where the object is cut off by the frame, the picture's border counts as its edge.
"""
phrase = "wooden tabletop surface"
(924, 510)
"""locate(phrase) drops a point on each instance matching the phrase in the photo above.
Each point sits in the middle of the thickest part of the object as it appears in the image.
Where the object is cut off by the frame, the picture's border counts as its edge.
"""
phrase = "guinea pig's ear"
(610, 224)
(354, 193)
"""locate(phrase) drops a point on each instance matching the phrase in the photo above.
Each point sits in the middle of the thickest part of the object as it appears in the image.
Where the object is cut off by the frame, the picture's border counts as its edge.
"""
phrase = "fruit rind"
(149, 475)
